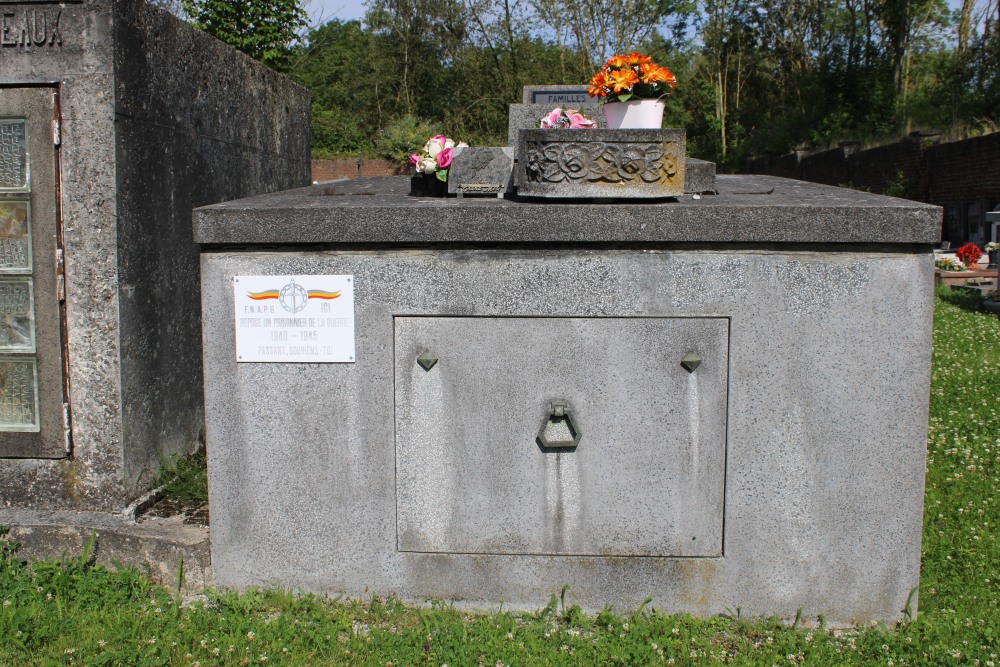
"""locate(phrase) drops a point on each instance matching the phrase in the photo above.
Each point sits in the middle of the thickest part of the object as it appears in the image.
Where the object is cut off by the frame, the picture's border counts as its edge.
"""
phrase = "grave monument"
(116, 119)
(492, 171)
(716, 402)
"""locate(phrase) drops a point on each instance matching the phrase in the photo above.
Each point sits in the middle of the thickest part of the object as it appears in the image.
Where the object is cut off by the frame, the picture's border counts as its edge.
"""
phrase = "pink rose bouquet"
(572, 119)
(436, 157)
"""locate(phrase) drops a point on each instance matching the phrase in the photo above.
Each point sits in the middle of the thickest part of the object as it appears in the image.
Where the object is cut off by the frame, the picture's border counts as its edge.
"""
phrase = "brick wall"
(964, 170)
(963, 177)
(328, 170)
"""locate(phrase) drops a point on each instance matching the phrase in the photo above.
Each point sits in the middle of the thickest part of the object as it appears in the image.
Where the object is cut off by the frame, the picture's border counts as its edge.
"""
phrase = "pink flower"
(414, 159)
(444, 158)
(441, 138)
(552, 120)
(577, 121)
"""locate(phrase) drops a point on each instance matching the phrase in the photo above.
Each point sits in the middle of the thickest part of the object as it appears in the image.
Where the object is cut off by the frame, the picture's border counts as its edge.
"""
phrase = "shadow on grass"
(966, 299)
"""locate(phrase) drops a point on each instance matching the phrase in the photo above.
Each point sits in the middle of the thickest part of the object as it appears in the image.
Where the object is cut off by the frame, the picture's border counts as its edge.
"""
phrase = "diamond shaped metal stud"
(427, 360)
(691, 361)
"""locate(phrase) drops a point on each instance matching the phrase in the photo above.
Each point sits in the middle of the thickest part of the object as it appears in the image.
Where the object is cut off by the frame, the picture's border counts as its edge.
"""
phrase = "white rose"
(448, 143)
(433, 147)
(462, 144)
(428, 165)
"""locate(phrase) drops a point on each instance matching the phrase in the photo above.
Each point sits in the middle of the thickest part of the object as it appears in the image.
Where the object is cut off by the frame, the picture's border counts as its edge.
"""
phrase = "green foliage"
(901, 186)
(262, 29)
(336, 133)
(75, 612)
(755, 77)
(185, 477)
(402, 137)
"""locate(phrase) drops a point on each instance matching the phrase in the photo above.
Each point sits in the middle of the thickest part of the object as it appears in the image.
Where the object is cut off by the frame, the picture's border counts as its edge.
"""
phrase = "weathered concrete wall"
(197, 123)
(157, 118)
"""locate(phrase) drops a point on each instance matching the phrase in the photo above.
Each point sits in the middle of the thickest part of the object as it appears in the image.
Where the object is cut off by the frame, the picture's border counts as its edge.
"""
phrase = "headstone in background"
(993, 218)
(120, 119)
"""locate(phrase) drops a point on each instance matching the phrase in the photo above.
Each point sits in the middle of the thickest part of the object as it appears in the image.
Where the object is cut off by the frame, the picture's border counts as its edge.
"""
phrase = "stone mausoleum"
(116, 119)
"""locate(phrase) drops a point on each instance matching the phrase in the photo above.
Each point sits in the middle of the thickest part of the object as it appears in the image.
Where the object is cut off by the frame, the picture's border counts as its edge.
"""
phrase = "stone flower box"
(601, 164)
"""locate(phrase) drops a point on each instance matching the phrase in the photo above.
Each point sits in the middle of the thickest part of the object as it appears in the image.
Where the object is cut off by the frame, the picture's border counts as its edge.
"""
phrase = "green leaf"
(442, 175)
(624, 97)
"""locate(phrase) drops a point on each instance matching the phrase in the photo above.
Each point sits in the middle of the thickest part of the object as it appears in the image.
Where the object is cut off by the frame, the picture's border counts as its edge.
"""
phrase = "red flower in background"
(969, 255)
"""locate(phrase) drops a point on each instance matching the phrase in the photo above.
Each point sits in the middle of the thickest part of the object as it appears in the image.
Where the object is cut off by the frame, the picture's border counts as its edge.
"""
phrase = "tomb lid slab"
(747, 209)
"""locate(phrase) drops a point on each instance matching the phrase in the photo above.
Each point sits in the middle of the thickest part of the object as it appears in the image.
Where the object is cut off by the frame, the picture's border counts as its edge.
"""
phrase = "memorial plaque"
(18, 395)
(482, 171)
(294, 319)
(17, 319)
(13, 156)
(15, 237)
(557, 95)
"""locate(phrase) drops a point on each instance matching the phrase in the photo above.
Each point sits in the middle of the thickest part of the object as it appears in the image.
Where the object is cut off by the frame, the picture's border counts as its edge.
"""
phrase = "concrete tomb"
(116, 119)
(686, 400)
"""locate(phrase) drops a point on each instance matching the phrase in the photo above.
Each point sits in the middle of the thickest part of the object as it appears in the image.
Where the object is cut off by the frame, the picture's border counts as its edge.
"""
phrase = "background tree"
(755, 76)
(594, 30)
(262, 29)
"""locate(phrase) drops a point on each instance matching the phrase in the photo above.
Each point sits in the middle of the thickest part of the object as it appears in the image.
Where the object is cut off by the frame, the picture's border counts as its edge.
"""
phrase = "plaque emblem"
(293, 297)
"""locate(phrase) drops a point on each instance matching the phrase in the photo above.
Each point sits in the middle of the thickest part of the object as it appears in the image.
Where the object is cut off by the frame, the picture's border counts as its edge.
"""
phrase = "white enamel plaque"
(294, 319)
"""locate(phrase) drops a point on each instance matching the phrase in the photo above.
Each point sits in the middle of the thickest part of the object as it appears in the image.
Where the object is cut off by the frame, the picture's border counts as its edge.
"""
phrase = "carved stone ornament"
(601, 163)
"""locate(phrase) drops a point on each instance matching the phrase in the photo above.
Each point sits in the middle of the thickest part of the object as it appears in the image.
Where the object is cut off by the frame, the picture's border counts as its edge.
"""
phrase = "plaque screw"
(427, 360)
(691, 361)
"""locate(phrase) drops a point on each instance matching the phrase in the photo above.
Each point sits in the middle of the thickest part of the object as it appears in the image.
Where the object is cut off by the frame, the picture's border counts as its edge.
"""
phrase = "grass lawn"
(73, 613)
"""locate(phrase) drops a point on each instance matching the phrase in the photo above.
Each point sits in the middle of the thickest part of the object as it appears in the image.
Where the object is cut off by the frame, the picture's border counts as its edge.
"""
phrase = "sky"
(321, 11)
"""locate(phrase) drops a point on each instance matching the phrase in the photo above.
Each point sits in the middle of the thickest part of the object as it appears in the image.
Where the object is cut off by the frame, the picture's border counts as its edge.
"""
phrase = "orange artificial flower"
(622, 79)
(635, 58)
(651, 73)
(597, 85)
(632, 75)
(615, 62)
(668, 77)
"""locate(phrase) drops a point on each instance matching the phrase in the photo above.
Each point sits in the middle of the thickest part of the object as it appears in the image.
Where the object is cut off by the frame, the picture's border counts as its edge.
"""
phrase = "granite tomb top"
(747, 209)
